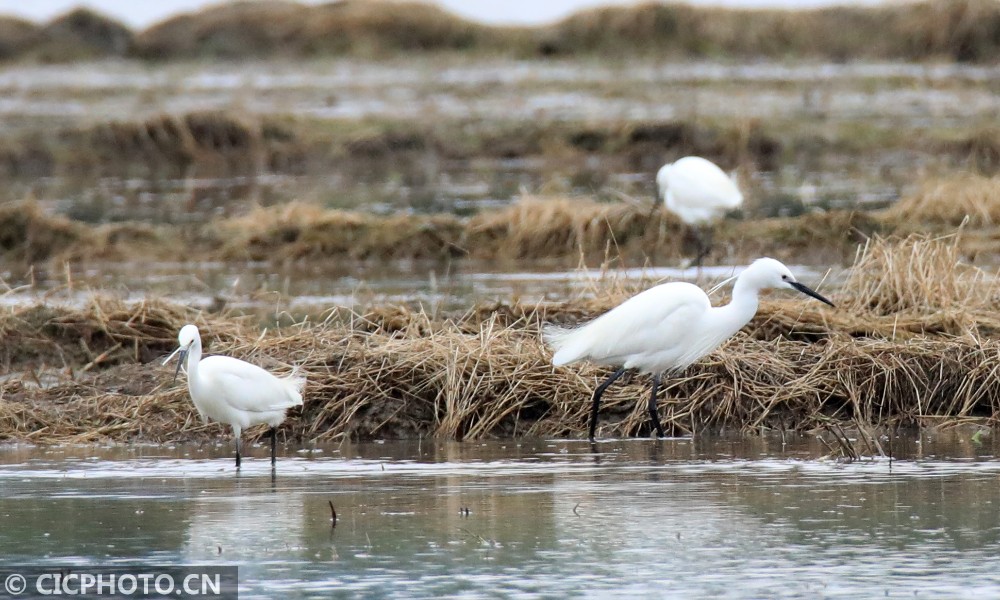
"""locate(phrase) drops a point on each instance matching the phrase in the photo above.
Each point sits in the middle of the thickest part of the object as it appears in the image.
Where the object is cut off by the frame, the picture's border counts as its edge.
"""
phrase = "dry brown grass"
(235, 143)
(365, 28)
(533, 227)
(297, 231)
(101, 334)
(951, 201)
(961, 30)
(552, 227)
(918, 274)
(562, 228)
(17, 36)
(29, 234)
(951, 29)
(82, 34)
(195, 144)
(395, 372)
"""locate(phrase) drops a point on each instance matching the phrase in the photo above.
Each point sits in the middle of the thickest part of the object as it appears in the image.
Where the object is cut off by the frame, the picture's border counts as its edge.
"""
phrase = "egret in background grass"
(666, 328)
(700, 193)
(233, 391)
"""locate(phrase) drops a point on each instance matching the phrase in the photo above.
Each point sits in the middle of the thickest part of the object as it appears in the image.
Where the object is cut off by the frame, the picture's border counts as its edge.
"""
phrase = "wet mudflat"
(719, 517)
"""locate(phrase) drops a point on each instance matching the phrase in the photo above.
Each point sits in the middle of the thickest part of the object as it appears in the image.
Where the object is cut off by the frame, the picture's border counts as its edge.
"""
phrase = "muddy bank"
(913, 340)
(960, 30)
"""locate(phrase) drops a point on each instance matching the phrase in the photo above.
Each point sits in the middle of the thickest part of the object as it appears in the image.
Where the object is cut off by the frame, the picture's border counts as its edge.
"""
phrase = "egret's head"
(770, 273)
(187, 336)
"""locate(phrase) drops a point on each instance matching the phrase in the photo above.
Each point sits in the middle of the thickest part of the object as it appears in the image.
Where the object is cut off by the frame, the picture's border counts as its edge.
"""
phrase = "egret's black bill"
(180, 362)
(809, 292)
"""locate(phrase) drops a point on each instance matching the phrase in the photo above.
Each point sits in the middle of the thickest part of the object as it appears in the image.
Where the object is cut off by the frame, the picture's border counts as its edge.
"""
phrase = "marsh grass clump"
(29, 234)
(551, 227)
(970, 199)
(17, 36)
(265, 29)
(531, 228)
(82, 34)
(918, 274)
(103, 333)
(297, 231)
(202, 143)
(447, 382)
(229, 31)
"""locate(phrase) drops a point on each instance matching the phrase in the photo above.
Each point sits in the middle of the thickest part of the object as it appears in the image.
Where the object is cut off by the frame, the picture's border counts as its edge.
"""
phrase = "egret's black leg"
(274, 437)
(653, 415)
(703, 243)
(597, 399)
(237, 452)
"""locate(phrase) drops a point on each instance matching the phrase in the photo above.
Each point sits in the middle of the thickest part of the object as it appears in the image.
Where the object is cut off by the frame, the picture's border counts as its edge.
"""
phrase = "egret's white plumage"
(700, 193)
(668, 327)
(696, 190)
(235, 392)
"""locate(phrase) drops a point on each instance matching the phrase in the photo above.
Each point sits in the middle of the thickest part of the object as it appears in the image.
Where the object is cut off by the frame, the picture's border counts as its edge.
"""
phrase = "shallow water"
(310, 289)
(546, 518)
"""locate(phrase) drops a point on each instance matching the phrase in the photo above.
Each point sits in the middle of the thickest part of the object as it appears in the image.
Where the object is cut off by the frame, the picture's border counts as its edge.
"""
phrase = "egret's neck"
(743, 305)
(193, 358)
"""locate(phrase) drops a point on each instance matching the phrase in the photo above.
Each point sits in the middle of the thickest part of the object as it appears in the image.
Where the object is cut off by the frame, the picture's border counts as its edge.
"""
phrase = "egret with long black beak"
(665, 329)
(233, 391)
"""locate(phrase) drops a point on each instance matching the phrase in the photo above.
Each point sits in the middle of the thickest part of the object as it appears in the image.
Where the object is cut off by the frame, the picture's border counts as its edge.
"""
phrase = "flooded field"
(453, 87)
(719, 517)
(450, 134)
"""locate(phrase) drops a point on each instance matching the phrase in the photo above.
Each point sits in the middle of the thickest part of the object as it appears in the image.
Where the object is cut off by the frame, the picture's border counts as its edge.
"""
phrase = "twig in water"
(481, 539)
(333, 514)
(849, 448)
(846, 447)
(576, 507)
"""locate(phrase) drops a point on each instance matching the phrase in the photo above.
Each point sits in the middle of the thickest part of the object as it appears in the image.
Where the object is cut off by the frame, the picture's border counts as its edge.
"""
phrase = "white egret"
(233, 391)
(666, 328)
(700, 193)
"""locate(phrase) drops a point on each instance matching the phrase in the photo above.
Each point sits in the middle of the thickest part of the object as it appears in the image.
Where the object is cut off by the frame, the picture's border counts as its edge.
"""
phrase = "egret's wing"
(652, 320)
(247, 387)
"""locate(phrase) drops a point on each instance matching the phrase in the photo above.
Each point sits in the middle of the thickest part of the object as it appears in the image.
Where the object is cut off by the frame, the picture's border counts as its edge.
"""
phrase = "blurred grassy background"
(959, 30)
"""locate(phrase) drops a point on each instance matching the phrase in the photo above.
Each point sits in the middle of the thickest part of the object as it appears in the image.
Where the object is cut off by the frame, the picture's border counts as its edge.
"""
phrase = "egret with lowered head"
(233, 391)
(666, 328)
(700, 193)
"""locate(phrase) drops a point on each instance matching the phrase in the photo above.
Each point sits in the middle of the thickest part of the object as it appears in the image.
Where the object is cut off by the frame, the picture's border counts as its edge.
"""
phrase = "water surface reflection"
(742, 517)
